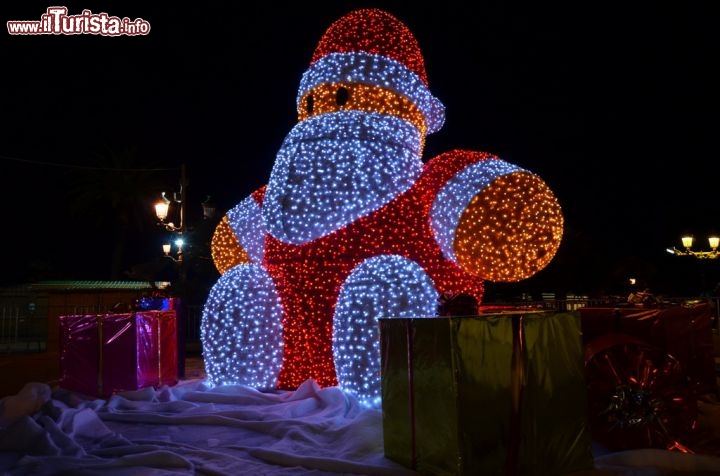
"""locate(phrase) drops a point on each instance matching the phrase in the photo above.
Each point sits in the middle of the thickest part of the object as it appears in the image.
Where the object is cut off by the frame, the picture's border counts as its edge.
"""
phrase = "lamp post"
(713, 253)
(180, 230)
(687, 242)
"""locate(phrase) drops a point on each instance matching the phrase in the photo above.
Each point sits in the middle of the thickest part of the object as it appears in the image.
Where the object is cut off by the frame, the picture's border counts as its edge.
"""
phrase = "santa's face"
(336, 167)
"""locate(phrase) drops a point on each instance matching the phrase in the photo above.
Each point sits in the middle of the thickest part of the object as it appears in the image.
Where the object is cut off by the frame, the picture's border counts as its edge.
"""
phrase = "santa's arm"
(494, 219)
(240, 235)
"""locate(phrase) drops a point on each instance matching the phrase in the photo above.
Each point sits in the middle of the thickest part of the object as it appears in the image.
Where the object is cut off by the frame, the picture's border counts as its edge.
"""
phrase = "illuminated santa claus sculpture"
(353, 225)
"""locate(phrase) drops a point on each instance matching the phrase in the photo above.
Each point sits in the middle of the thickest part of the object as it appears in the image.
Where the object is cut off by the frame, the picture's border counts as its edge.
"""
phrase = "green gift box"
(492, 394)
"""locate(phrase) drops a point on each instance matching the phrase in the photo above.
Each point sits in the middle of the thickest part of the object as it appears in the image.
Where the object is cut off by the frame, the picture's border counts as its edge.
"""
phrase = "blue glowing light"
(382, 286)
(335, 168)
(375, 70)
(248, 225)
(241, 329)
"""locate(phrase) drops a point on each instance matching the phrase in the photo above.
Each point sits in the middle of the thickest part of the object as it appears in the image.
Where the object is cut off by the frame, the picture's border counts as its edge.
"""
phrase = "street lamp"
(162, 209)
(714, 243)
(167, 248)
(687, 242)
(179, 229)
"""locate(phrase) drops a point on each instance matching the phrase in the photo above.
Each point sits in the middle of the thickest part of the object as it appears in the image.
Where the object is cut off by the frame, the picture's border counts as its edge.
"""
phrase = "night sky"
(611, 105)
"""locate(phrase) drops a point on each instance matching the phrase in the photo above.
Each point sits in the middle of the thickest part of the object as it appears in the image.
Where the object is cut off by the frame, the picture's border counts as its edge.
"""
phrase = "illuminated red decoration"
(309, 276)
(349, 186)
(373, 31)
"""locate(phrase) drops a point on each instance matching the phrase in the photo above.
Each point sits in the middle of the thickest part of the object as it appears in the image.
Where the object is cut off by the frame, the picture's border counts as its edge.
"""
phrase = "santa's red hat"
(370, 46)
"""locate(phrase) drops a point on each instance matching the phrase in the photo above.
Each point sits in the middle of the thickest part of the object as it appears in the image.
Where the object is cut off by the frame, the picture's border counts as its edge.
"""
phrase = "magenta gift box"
(108, 353)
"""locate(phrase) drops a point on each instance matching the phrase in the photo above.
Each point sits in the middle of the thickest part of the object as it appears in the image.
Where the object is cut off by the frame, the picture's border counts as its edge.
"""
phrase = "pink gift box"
(104, 354)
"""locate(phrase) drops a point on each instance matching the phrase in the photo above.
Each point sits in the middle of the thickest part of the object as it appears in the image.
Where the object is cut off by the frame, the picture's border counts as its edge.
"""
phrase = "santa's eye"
(341, 96)
(309, 104)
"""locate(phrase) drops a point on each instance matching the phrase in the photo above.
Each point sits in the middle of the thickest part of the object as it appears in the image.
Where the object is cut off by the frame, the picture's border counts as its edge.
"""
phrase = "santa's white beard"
(335, 168)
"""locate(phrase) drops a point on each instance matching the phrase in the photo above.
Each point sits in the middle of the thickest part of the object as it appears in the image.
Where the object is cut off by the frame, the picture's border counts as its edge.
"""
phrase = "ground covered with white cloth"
(193, 429)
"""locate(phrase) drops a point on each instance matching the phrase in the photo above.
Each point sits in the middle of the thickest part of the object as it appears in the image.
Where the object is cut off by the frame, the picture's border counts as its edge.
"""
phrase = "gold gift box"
(492, 394)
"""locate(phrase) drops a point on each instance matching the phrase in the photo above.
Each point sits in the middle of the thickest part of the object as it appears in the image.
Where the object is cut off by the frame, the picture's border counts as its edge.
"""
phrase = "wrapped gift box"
(684, 332)
(104, 354)
(494, 394)
(150, 303)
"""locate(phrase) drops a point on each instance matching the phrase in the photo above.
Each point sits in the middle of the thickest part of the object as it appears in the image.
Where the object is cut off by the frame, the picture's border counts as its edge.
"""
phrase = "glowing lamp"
(687, 241)
(714, 241)
(161, 210)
